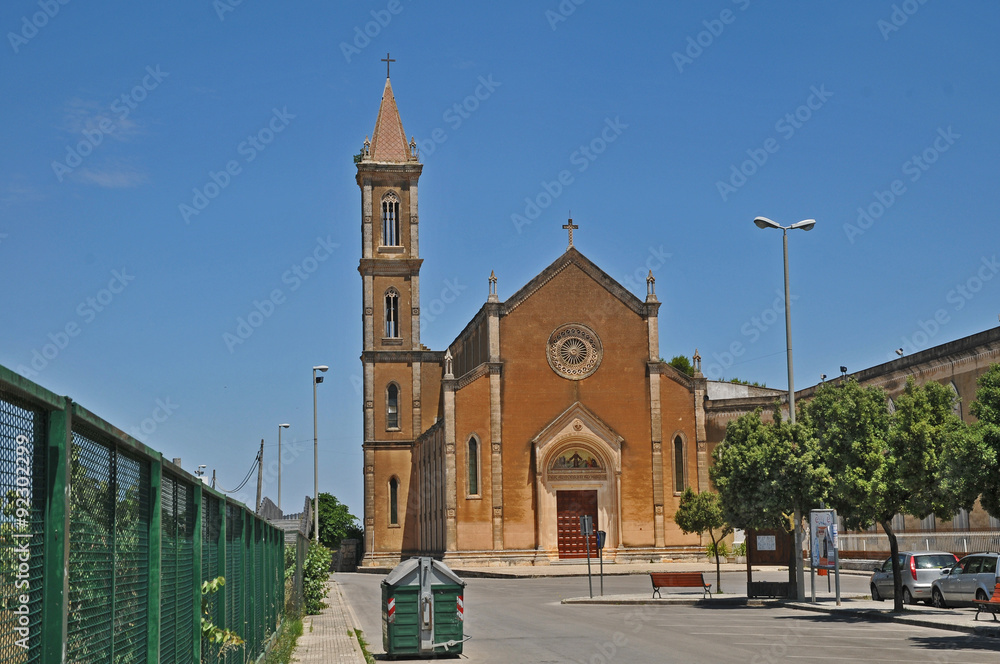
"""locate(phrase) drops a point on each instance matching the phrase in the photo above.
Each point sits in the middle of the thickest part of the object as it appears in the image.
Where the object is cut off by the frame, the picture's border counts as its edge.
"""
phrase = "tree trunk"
(718, 566)
(897, 580)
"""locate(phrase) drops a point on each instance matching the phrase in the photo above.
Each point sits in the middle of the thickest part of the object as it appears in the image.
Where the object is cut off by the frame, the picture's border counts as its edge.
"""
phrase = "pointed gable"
(389, 140)
(574, 257)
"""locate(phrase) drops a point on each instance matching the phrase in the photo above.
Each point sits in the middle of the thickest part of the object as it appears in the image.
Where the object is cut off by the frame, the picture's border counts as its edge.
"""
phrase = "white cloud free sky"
(665, 129)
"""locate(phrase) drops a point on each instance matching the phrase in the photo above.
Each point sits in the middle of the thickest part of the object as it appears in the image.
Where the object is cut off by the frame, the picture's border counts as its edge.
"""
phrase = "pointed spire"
(493, 287)
(389, 140)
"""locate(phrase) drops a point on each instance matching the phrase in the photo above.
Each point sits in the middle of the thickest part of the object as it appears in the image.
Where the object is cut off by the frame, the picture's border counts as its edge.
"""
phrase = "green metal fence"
(104, 545)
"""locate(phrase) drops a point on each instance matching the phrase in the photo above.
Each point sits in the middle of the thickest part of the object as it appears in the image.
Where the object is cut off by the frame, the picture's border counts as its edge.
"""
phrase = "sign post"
(587, 529)
(824, 545)
(600, 555)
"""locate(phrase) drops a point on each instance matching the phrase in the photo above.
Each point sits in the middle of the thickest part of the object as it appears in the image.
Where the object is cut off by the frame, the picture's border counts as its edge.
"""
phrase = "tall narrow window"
(390, 220)
(393, 502)
(392, 313)
(678, 464)
(961, 520)
(473, 467)
(392, 407)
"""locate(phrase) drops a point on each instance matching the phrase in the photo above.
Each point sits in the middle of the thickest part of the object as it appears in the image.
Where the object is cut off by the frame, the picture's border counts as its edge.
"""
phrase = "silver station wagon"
(973, 577)
(918, 570)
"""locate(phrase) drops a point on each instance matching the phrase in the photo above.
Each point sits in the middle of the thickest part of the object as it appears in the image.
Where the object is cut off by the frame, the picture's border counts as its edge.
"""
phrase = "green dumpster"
(423, 609)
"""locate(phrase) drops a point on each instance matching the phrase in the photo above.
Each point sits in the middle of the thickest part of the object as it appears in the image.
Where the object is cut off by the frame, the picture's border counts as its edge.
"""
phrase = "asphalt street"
(522, 620)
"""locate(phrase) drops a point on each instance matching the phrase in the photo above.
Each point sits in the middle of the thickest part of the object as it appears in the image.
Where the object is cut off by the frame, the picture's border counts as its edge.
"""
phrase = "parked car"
(918, 569)
(973, 577)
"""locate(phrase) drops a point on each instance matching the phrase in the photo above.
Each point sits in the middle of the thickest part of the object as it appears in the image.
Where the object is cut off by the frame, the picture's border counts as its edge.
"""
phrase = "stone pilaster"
(369, 388)
(368, 315)
(415, 312)
(367, 236)
(656, 428)
(450, 470)
(414, 220)
(369, 469)
(700, 389)
(496, 456)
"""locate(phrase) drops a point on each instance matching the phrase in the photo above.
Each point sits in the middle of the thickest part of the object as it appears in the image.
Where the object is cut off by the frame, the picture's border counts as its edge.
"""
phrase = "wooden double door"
(570, 506)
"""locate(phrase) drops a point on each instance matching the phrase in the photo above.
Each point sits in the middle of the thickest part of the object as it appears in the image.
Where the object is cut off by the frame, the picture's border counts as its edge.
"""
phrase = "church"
(550, 405)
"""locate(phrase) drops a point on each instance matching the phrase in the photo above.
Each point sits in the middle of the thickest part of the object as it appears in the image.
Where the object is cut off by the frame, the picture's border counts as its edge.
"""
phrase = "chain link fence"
(104, 545)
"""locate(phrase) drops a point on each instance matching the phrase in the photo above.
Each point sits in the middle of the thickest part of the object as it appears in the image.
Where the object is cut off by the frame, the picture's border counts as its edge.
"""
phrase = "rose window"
(574, 351)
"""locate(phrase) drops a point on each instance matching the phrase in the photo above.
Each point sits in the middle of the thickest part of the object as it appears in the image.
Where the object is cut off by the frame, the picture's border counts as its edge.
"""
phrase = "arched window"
(393, 502)
(678, 464)
(392, 313)
(392, 406)
(956, 406)
(390, 220)
(473, 467)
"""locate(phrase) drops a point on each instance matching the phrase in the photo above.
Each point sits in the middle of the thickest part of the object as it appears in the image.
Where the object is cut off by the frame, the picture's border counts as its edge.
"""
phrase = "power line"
(256, 460)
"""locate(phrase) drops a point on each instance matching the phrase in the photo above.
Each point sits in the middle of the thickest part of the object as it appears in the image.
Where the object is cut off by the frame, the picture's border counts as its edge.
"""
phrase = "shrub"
(317, 571)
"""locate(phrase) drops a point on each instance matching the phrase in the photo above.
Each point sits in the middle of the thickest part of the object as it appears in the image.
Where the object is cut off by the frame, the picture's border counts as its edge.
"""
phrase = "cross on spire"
(387, 60)
(570, 227)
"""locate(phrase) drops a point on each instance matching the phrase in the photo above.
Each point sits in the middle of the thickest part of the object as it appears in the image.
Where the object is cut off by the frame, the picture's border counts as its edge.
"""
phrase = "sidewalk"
(326, 638)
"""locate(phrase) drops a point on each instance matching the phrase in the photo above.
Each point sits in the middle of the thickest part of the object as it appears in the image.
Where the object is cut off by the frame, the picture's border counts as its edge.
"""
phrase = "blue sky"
(671, 125)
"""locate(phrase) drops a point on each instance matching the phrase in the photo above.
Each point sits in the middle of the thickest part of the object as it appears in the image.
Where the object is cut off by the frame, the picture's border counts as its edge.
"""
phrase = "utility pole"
(260, 471)
(213, 478)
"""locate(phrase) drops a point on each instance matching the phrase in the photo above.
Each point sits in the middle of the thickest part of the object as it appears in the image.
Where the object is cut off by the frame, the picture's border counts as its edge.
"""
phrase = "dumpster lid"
(407, 573)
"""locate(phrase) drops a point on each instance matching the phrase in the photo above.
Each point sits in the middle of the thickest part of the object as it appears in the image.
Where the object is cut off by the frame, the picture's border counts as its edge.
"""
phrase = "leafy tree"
(336, 522)
(766, 471)
(682, 364)
(984, 458)
(883, 464)
(700, 513)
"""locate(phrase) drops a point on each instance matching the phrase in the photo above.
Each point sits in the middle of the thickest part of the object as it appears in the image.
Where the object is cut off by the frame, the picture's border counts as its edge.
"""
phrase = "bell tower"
(388, 171)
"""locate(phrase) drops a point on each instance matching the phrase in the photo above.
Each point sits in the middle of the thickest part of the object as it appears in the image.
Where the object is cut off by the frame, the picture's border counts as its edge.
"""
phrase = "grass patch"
(281, 653)
(364, 646)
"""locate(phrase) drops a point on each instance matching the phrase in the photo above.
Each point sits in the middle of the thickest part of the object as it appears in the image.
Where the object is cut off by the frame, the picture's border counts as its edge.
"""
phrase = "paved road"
(522, 620)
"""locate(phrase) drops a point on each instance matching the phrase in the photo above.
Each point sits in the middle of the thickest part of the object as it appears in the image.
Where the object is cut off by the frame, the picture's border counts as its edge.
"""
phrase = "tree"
(766, 471)
(336, 522)
(984, 459)
(682, 364)
(702, 512)
(883, 464)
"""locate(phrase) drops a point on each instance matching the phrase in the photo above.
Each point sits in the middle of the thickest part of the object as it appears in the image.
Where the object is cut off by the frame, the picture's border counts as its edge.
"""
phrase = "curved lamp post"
(316, 380)
(280, 427)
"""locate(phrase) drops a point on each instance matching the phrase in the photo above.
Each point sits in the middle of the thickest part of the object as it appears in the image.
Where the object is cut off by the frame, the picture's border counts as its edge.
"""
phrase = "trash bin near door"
(423, 609)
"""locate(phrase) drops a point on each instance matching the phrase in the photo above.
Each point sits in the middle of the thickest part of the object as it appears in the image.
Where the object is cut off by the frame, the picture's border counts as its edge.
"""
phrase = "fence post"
(155, 553)
(221, 565)
(196, 572)
(55, 587)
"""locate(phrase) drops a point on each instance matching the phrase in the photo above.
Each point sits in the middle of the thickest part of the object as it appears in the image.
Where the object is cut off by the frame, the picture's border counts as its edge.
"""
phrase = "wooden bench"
(991, 605)
(679, 580)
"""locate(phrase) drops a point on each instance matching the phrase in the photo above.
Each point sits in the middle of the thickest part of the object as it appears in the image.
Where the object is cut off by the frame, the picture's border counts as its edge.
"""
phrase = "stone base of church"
(539, 557)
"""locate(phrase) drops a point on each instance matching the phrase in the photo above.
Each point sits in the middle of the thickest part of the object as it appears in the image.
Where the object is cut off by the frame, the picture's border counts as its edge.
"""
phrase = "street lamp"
(316, 380)
(806, 225)
(280, 427)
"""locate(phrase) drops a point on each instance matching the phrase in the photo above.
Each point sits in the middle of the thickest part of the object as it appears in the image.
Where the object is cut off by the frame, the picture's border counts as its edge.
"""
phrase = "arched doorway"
(578, 472)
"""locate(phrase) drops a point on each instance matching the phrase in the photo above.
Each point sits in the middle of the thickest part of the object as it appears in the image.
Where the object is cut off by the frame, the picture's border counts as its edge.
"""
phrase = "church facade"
(550, 405)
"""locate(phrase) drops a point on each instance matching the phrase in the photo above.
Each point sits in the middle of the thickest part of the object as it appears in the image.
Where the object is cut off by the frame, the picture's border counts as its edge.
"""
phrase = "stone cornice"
(387, 444)
(670, 372)
(426, 356)
(484, 369)
(390, 267)
(380, 172)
